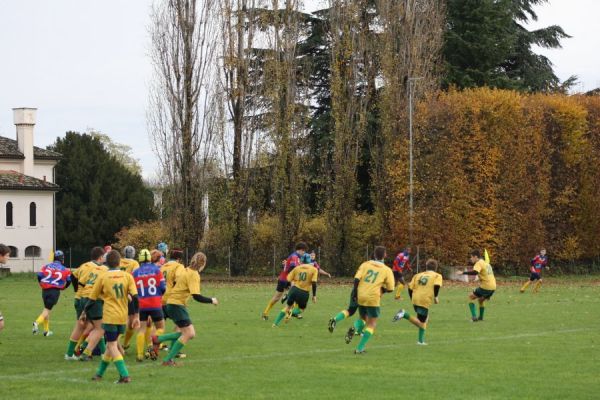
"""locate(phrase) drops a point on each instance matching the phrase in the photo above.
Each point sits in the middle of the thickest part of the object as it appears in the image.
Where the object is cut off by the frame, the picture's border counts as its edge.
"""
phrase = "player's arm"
(314, 286)
(162, 286)
(194, 287)
(472, 272)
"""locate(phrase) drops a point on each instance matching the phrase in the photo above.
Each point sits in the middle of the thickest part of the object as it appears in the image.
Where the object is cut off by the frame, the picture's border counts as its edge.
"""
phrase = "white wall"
(21, 235)
(41, 168)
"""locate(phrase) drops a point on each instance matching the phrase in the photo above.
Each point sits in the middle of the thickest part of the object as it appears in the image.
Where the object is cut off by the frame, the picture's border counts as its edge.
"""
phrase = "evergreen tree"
(487, 44)
(98, 195)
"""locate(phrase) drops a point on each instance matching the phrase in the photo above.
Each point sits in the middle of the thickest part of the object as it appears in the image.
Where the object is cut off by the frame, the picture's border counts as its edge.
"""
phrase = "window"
(33, 252)
(9, 214)
(32, 214)
(14, 252)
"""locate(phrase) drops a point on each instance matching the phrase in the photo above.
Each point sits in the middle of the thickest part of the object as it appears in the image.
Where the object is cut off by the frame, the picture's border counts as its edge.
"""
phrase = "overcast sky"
(84, 64)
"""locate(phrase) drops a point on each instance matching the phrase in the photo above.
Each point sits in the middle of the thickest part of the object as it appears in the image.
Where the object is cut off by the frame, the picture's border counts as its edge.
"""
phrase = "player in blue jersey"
(53, 278)
(150, 285)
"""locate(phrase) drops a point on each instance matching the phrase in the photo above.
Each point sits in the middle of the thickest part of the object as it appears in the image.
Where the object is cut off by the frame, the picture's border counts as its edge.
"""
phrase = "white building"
(27, 190)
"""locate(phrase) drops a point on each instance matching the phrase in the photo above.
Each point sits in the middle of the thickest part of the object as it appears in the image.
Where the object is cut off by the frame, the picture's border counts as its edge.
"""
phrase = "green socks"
(102, 367)
(481, 310)
(359, 325)
(120, 364)
(421, 335)
(176, 348)
(169, 337)
(406, 316)
(296, 311)
(280, 316)
(340, 316)
(472, 308)
(71, 347)
(365, 338)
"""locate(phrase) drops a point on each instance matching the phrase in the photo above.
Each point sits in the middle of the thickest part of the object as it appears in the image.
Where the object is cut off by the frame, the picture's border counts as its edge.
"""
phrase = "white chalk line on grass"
(59, 375)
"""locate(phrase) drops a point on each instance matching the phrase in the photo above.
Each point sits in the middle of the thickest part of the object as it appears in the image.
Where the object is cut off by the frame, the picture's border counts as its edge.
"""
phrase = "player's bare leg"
(95, 338)
(276, 297)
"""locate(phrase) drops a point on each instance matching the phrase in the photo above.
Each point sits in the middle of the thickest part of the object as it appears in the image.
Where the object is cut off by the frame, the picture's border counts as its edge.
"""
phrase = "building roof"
(10, 149)
(13, 180)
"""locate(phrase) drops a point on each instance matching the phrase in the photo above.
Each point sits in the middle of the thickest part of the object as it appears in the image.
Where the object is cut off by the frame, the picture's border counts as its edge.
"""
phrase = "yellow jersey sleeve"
(438, 280)
(413, 281)
(390, 283)
(315, 276)
(97, 289)
(478, 266)
(193, 282)
(131, 287)
(290, 277)
(360, 272)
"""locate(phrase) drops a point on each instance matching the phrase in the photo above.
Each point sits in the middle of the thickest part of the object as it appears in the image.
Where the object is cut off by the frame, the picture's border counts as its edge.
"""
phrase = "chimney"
(25, 120)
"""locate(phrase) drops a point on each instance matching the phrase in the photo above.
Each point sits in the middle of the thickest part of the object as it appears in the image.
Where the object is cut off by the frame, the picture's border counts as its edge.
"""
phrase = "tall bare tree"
(237, 27)
(182, 114)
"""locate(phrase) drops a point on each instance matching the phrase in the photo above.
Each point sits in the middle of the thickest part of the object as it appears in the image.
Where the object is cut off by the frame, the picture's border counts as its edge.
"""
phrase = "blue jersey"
(54, 276)
(150, 285)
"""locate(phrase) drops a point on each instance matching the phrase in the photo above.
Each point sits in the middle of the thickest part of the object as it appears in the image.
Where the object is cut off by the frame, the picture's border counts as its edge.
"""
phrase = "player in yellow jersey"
(94, 314)
(113, 288)
(302, 279)
(79, 278)
(423, 290)
(487, 284)
(187, 284)
(170, 269)
(371, 281)
(129, 264)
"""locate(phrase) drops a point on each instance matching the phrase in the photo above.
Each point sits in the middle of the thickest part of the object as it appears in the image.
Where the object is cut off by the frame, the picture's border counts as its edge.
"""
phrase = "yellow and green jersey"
(90, 276)
(486, 275)
(113, 287)
(81, 272)
(128, 265)
(422, 286)
(170, 271)
(303, 276)
(373, 275)
(187, 283)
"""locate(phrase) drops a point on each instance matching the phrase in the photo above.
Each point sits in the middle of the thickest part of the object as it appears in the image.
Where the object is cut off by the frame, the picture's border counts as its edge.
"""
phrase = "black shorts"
(398, 277)
(483, 293)
(282, 285)
(130, 310)
(50, 297)
(156, 315)
(422, 313)
(535, 276)
(179, 315)
(298, 296)
(164, 310)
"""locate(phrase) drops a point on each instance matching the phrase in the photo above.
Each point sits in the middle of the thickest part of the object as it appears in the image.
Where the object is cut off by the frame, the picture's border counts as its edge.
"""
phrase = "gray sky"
(84, 64)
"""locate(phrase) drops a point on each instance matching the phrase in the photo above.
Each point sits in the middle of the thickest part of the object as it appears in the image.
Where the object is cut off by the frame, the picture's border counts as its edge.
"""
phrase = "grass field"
(530, 347)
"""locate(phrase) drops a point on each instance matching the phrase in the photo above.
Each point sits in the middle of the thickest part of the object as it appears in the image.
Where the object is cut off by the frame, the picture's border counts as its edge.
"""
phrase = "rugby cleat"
(71, 358)
(48, 333)
(399, 315)
(124, 379)
(169, 363)
(331, 325)
(422, 343)
(85, 357)
(265, 317)
(180, 355)
(360, 351)
(349, 335)
(35, 329)
(474, 319)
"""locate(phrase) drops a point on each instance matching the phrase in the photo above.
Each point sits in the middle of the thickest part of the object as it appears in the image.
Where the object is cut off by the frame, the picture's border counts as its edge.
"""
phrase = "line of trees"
(277, 124)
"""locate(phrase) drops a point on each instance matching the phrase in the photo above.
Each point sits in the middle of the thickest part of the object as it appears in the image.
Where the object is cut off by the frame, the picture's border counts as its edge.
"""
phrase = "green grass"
(530, 346)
